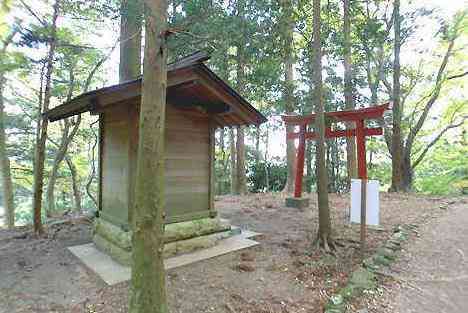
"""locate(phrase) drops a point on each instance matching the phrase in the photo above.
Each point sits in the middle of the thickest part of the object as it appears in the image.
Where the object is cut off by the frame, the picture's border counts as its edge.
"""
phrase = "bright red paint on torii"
(357, 116)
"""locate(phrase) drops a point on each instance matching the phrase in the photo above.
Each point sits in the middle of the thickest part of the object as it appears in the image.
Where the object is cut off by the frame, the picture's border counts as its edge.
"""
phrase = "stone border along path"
(364, 277)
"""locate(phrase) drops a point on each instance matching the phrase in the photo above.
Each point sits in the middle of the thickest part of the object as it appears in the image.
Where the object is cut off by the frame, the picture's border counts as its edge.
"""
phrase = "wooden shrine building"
(198, 102)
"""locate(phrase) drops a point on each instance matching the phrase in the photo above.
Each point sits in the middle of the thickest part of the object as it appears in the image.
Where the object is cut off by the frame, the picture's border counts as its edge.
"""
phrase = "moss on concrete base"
(117, 253)
(180, 238)
(364, 277)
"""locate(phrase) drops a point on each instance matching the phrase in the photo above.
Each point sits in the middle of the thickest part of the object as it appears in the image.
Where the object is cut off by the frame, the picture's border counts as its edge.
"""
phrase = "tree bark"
(309, 158)
(397, 144)
(39, 157)
(324, 231)
(148, 286)
(349, 93)
(222, 160)
(267, 174)
(288, 88)
(240, 149)
(241, 187)
(232, 148)
(75, 184)
(257, 147)
(5, 169)
(92, 174)
(7, 184)
(130, 39)
(407, 166)
(66, 139)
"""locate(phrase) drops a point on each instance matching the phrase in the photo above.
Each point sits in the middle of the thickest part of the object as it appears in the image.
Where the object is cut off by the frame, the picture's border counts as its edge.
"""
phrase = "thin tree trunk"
(5, 169)
(324, 232)
(240, 149)
(130, 39)
(288, 93)
(309, 166)
(148, 283)
(62, 150)
(75, 184)
(232, 148)
(397, 144)
(39, 158)
(241, 187)
(257, 147)
(222, 160)
(221, 140)
(7, 184)
(65, 141)
(67, 137)
(267, 174)
(92, 174)
(407, 167)
(349, 93)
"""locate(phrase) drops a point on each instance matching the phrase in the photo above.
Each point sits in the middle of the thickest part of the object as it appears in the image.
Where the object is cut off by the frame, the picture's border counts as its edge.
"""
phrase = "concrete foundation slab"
(112, 272)
(299, 203)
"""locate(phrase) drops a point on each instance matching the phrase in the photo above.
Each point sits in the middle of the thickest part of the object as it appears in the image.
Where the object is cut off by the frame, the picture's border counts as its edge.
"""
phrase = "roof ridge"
(194, 58)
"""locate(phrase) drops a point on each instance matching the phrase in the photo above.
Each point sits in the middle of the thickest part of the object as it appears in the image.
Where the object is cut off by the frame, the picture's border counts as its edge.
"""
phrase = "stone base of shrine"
(180, 238)
(299, 203)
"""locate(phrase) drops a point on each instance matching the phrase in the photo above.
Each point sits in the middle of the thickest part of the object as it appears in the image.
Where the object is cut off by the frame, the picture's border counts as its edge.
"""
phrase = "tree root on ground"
(325, 243)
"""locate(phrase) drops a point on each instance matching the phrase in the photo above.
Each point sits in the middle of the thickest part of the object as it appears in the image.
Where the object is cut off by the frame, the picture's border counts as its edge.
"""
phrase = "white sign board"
(372, 212)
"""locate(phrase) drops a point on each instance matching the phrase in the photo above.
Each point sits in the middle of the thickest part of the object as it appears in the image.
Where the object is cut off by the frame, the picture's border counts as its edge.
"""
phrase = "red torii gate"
(357, 116)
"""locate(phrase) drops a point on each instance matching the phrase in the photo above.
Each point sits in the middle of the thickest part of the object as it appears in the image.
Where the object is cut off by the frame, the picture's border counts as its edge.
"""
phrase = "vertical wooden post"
(300, 162)
(362, 171)
(363, 214)
(361, 149)
(212, 151)
(100, 158)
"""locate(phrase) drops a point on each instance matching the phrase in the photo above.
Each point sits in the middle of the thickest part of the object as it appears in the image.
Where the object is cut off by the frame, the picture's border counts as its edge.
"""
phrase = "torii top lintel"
(345, 116)
(357, 116)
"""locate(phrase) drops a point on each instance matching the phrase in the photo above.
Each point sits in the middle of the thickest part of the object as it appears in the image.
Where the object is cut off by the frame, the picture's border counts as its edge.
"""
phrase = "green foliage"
(266, 176)
(446, 172)
(214, 26)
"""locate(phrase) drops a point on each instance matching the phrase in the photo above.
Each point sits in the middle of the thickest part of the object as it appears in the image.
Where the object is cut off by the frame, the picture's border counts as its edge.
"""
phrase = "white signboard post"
(372, 203)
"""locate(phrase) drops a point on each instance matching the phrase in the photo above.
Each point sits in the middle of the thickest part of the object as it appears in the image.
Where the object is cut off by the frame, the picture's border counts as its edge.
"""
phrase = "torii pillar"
(358, 117)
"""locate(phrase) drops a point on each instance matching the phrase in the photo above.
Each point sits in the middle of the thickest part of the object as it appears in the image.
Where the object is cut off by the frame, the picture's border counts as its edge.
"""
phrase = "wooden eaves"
(190, 83)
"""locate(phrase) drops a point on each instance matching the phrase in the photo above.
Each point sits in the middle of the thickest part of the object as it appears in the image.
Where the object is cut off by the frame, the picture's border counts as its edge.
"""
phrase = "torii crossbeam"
(358, 116)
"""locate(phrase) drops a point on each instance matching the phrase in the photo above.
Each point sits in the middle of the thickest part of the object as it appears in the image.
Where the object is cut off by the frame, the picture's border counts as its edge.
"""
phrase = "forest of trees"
(373, 51)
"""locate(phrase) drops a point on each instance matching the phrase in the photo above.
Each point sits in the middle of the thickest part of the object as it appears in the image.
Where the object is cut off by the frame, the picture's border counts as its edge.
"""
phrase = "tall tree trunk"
(257, 147)
(75, 184)
(65, 141)
(240, 77)
(130, 39)
(232, 149)
(407, 166)
(349, 93)
(397, 144)
(7, 184)
(407, 172)
(287, 32)
(5, 169)
(240, 149)
(68, 136)
(309, 158)
(148, 286)
(267, 146)
(329, 163)
(222, 160)
(92, 174)
(324, 231)
(39, 157)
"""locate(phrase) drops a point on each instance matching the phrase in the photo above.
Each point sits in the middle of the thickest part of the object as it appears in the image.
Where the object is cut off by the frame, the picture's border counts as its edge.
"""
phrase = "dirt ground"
(284, 274)
(431, 273)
